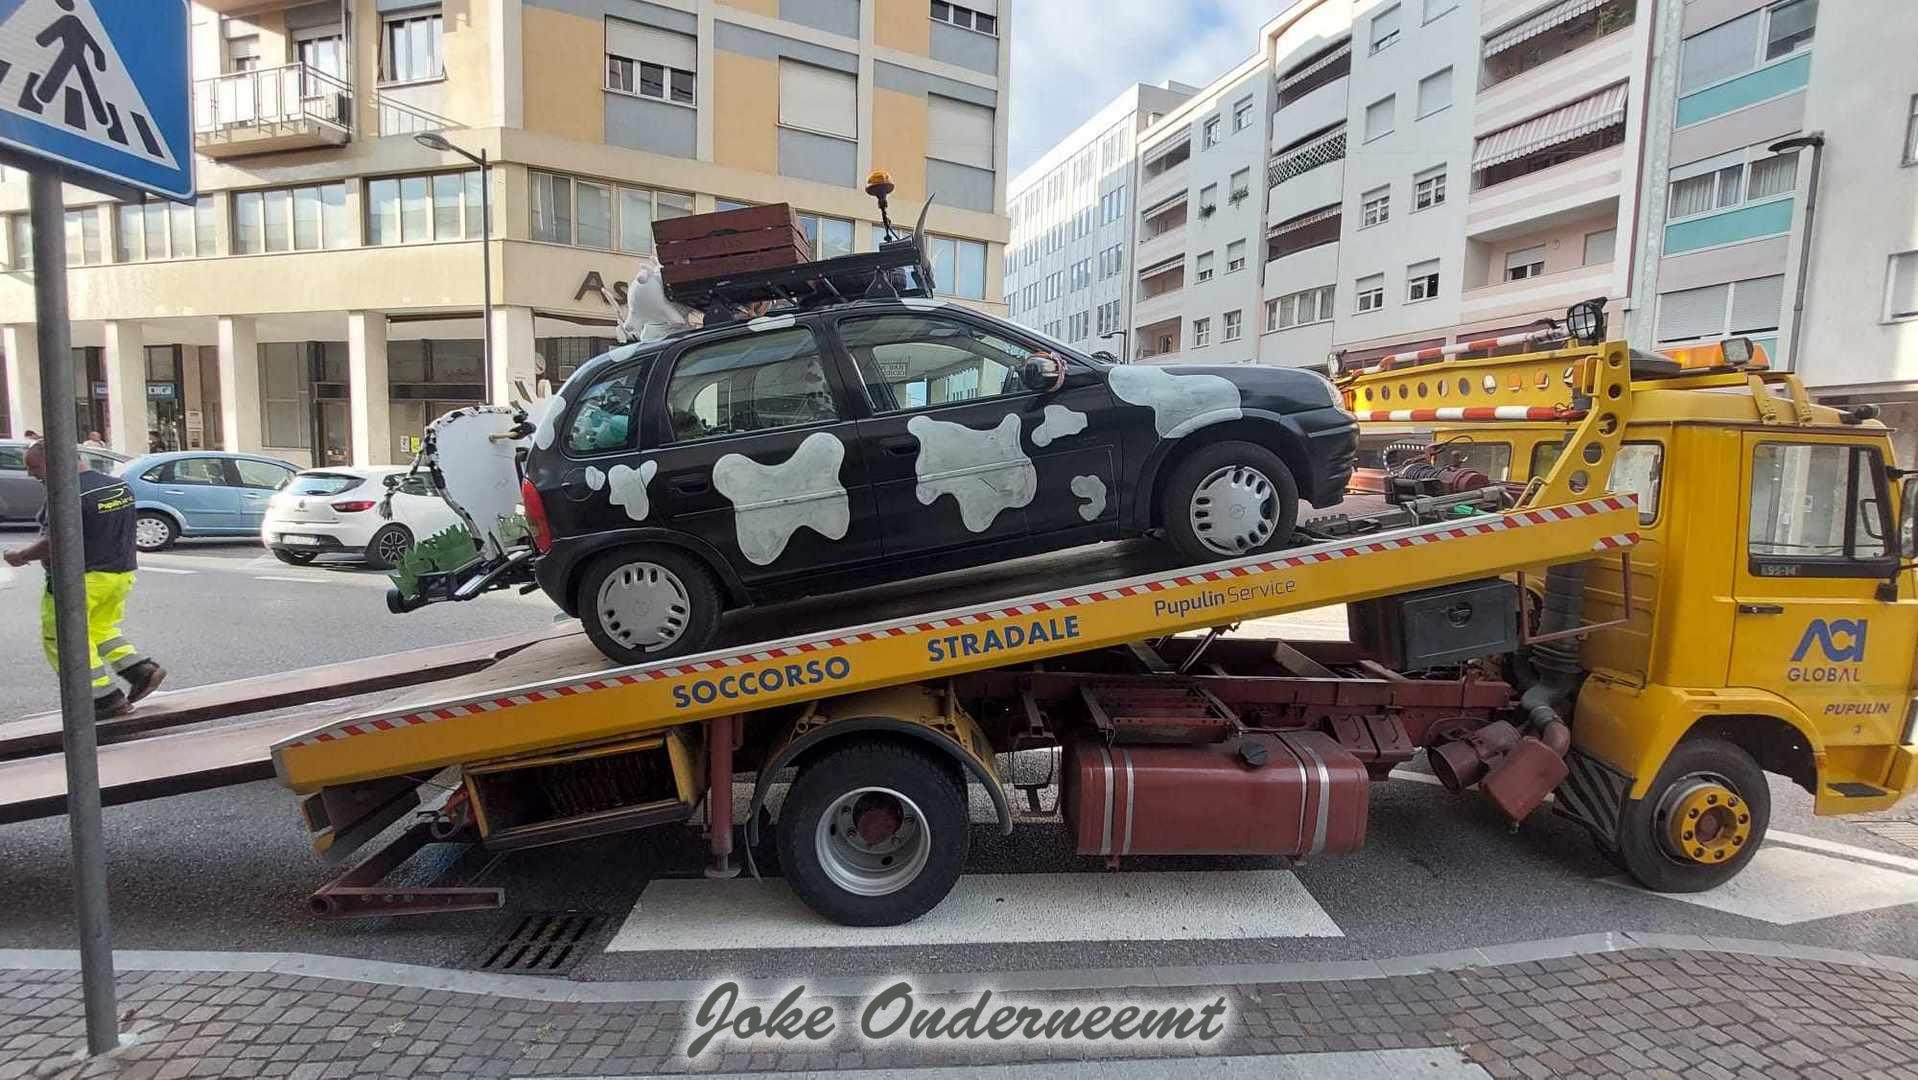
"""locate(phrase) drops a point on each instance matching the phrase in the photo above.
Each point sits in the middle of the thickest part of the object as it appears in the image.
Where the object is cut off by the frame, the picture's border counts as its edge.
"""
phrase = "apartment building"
(321, 300)
(1069, 265)
(1423, 171)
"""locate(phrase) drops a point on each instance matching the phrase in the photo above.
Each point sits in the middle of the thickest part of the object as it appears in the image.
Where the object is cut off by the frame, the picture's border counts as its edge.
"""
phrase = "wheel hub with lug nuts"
(149, 532)
(643, 605)
(872, 841)
(1704, 821)
(1234, 509)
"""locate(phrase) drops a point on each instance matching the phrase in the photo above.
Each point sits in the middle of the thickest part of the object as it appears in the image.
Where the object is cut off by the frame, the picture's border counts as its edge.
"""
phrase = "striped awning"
(1538, 22)
(1334, 56)
(1312, 218)
(1563, 124)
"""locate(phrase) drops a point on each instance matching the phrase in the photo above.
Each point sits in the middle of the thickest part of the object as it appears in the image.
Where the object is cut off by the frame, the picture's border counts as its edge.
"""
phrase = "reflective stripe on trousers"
(108, 650)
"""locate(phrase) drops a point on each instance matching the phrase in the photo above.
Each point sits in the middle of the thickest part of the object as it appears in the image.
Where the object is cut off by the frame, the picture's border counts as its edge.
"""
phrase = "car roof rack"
(897, 270)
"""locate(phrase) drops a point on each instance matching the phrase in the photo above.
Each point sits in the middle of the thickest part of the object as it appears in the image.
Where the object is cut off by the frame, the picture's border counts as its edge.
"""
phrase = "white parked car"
(336, 511)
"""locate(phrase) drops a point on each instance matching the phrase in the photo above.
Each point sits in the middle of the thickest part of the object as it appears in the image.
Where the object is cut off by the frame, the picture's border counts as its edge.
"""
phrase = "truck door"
(1812, 624)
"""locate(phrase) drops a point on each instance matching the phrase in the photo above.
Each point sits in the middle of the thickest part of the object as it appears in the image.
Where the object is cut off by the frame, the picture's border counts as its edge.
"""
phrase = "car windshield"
(323, 483)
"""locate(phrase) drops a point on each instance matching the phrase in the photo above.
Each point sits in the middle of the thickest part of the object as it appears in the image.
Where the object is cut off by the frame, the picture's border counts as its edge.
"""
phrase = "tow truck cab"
(1775, 604)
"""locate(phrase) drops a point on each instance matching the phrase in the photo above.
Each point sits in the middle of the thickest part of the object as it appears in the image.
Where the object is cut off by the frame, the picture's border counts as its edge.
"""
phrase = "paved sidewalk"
(1637, 1012)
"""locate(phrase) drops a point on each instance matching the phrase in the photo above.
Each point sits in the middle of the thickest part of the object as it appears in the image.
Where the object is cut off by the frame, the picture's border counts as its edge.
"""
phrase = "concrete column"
(240, 407)
(23, 380)
(512, 353)
(125, 367)
(369, 395)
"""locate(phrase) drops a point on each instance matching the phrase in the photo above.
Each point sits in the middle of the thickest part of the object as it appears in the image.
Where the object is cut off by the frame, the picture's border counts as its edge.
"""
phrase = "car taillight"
(536, 516)
(353, 506)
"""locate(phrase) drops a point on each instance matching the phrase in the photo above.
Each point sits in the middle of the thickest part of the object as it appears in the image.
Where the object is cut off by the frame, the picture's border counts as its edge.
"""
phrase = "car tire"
(1703, 779)
(890, 880)
(388, 546)
(641, 604)
(295, 558)
(154, 531)
(1226, 500)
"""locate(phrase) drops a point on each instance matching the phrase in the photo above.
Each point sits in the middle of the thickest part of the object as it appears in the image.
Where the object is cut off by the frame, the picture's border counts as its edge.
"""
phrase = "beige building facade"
(322, 299)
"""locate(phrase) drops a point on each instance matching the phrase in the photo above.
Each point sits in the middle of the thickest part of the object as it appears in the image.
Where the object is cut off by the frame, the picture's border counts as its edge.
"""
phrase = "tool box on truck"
(730, 242)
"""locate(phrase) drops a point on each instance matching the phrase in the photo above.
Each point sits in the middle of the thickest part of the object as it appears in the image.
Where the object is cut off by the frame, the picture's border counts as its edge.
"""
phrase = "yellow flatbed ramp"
(562, 693)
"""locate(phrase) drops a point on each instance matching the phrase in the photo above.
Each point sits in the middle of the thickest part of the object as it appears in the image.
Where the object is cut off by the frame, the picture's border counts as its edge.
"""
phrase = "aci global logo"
(1842, 641)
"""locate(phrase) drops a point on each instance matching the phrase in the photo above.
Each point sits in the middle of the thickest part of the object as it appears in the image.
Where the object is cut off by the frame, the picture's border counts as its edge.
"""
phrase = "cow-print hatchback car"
(880, 440)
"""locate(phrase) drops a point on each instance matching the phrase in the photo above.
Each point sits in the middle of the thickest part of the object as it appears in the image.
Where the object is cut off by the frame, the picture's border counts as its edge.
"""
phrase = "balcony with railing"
(1161, 292)
(1163, 172)
(1547, 33)
(1158, 342)
(291, 107)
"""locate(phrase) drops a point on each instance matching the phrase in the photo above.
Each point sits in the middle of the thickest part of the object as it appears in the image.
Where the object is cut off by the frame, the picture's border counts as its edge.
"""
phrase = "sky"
(1071, 57)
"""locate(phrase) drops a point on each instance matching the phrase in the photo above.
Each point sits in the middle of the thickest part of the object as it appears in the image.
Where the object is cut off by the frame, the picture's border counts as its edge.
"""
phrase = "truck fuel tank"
(1292, 793)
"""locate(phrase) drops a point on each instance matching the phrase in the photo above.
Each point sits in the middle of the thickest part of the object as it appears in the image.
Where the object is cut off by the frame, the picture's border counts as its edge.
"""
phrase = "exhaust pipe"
(1464, 761)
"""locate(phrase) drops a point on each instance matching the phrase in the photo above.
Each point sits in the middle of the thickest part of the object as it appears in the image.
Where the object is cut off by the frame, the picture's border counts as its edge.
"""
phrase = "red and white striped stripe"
(1305, 557)
(1460, 348)
(1472, 413)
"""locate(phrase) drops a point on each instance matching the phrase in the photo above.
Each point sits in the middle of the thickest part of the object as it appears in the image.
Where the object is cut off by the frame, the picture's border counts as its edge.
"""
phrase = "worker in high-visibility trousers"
(106, 529)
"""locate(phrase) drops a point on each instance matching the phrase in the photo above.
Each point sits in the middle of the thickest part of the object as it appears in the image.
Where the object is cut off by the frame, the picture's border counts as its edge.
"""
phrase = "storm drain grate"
(543, 943)
(1898, 832)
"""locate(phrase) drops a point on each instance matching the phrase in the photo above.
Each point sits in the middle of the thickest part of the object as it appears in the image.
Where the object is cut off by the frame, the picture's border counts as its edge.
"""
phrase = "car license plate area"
(298, 538)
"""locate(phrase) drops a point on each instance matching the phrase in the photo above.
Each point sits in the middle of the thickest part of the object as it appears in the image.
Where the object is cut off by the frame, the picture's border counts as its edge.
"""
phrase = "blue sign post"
(93, 92)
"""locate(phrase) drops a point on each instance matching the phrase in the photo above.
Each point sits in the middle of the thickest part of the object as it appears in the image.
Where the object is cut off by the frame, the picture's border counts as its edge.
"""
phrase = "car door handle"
(174, 491)
(691, 486)
(901, 445)
(1761, 609)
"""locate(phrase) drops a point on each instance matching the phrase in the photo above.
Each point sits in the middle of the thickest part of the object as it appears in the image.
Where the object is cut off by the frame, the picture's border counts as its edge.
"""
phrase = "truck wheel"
(874, 834)
(641, 604)
(1700, 823)
(1229, 499)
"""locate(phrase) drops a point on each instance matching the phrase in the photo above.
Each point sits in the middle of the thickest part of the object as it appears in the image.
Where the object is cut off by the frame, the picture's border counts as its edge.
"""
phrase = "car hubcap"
(394, 546)
(872, 842)
(644, 606)
(1704, 820)
(1234, 510)
(149, 532)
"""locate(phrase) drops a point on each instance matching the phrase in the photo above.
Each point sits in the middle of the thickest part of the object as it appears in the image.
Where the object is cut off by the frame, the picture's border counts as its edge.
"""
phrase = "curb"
(535, 988)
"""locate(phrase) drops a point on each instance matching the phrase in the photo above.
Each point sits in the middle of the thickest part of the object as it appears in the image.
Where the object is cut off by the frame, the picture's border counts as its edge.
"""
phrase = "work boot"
(111, 705)
(143, 678)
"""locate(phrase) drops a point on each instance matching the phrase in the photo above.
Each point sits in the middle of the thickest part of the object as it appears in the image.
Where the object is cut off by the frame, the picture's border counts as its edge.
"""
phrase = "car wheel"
(294, 558)
(643, 604)
(874, 834)
(1700, 823)
(1229, 499)
(154, 531)
(388, 547)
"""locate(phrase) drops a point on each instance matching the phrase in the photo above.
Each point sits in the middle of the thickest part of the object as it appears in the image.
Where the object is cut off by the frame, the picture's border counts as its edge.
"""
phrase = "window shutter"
(959, 131)
(1525, 257)
(1435, 92)
(1690, 313)
(1378, 117)
(655, 46)
(1756, 303)
(818, 99)
(1904, 285)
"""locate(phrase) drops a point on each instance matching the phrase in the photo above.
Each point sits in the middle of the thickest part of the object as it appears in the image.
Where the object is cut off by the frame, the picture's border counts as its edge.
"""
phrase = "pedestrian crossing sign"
(101, 87)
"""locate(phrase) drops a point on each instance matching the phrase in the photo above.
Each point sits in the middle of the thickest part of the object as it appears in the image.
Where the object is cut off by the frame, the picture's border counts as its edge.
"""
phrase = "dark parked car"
(880, 440)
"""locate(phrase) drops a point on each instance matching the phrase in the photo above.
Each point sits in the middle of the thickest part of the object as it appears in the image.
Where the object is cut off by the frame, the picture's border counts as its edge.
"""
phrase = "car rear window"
(322, 483)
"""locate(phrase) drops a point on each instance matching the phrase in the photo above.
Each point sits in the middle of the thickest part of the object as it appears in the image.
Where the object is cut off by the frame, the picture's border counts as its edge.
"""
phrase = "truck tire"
(647, 603)
(1229, 499)
(1700, 823)
(874, 834)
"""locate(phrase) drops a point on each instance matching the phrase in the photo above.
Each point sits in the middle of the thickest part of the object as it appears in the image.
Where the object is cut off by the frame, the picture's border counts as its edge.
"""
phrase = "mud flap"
(1594, 795)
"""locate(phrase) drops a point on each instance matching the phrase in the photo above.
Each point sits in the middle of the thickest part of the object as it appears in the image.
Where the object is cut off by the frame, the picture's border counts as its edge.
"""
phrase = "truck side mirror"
(1043, 373)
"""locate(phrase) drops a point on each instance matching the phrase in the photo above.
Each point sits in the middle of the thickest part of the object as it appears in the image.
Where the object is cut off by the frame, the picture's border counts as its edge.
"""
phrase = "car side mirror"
(1043, 373)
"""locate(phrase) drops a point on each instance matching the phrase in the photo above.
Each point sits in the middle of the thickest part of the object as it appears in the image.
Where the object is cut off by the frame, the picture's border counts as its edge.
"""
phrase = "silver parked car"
(21, 495)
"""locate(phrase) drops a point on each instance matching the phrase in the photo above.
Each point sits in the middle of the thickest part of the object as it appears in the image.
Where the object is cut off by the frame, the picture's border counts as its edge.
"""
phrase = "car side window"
(205, 471)
(912, 361)
(757, 382)
(12, 457)
(603, 419)
(258, 474)
(156, 474)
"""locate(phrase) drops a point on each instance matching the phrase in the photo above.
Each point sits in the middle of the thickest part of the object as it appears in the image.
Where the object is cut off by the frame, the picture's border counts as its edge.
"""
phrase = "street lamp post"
(433, 140)
(1815, 140)
(1121, 335)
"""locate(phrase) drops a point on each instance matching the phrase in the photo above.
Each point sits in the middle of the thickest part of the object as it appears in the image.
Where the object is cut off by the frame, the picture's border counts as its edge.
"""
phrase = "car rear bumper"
(1332, 452)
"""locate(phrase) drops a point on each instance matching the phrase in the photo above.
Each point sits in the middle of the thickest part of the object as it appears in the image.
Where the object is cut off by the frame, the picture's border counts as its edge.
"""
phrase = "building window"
(956, 131)
(1733, 48)
(1234, 325)
(410, 46)
(83, 235)
(828, 237)
(1208, 199)
(1370, 293)
(1385, 28)
(959, 269)
(1378, 117)
(639, 208)
(1201, 333)
(1300, 308)
(1422, 281)
(1428, 189)
(1211, 133)
(1203, 264)
(1901, 301)
(818, 99)
(421, 209)
(1525, 263)
(964, 17)
(1375, 207)
(1435, 92)
(278, 219)
(650, 63)
(1240, 186)
(20, 240)
(1911, 133)
(1751, 306)
(1722, 186)
(1788, 27)
(1242, 115)
(1435, 8)
(158, 229)
(1235, 256)
(1600, 246)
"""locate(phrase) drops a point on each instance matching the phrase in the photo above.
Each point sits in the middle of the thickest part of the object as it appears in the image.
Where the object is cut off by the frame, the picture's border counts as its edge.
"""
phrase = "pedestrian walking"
(106, 532)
